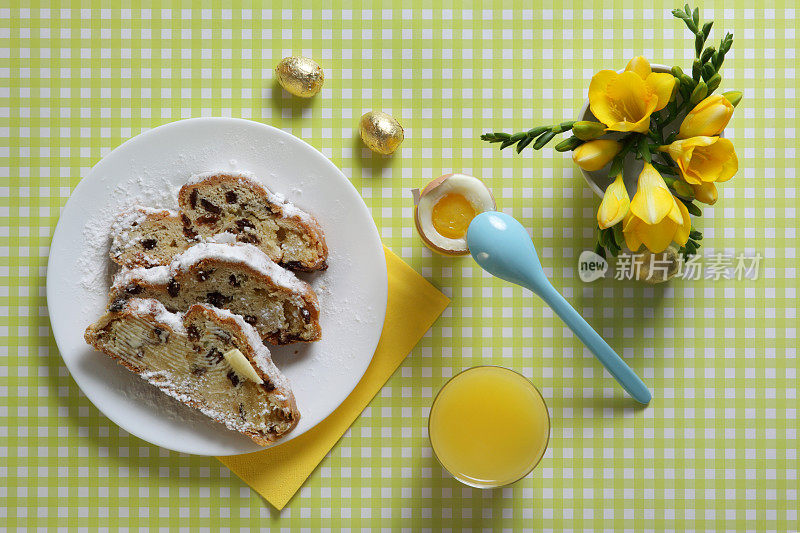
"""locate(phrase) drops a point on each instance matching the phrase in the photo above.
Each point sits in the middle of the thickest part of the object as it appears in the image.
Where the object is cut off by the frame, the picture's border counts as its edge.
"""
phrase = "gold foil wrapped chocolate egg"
(380, 132)
(300, 76)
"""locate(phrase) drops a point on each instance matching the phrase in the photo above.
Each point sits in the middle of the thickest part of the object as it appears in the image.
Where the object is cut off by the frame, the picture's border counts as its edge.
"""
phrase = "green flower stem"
(643, 149)
(692, 20)
(671, 138)
(691, 207)
(618, 161)
(664, 169)
(599, 249)
(667, 160)
(672, 176)
(655, 136)
(541, 134)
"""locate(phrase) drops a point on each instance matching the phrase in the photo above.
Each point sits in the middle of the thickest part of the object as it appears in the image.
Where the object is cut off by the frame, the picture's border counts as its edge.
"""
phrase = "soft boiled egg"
(446, 207)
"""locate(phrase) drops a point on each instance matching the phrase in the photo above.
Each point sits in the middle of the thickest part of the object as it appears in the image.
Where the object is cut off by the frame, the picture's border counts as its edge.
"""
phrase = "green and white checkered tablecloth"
(716, 450)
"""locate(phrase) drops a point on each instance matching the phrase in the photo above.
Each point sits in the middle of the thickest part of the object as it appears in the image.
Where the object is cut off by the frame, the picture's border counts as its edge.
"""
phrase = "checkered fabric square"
(716, 450)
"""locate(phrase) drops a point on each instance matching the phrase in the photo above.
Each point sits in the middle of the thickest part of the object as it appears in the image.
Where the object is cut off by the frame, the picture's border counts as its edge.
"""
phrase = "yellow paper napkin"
(413, 306)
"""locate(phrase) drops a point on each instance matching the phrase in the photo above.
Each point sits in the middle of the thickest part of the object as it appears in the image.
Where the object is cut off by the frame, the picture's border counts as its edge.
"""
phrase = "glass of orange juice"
(489, 426)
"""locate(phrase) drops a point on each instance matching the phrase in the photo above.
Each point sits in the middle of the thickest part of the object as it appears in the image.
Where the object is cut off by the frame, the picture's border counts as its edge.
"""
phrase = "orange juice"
(489, 426)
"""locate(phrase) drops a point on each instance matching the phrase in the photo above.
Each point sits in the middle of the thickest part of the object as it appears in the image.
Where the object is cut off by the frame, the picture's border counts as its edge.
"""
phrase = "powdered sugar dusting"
(243, 174)
(127, 220)
(126, 223)
(225, 237)
(166, 384)
(146, 188)
(156, 276)
(146, 307)
(246, 254)
(288, 209)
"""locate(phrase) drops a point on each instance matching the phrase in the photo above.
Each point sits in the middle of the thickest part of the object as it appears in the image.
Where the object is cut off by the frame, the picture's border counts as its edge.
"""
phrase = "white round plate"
(149, 170)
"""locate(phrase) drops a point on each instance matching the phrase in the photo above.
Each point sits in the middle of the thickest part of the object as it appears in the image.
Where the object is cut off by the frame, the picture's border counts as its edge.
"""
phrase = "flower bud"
(734, 97)
(700, 92)
(708, 71)
(707, 29)
(596, 154)
(708, 118)
(713, 83)
(682, 188)
(586, 130)
(706, 193)
(615, 204)
(568, 144)
(676, 85)
(696, 66)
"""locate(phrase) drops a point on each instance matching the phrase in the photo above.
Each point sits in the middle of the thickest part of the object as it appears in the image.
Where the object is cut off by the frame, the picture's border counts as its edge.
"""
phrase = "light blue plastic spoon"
(502, 247)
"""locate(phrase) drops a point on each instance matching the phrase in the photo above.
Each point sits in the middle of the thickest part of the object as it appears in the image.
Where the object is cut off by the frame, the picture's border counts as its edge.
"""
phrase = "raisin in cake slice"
(145, 237)
(237, 277)
(237, 204)
(208, 359)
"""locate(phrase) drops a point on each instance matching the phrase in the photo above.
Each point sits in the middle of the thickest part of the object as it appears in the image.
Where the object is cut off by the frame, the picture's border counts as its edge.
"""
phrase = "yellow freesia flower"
(708, 118)
(655, 218)
(656, 237)
(624, 102)
(704, 159)
(706, 192)
(653, 200)
(594, 155)
(640, 65)
(615, 204)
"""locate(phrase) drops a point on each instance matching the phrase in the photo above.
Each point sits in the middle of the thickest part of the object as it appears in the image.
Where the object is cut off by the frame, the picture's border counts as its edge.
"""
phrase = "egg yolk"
(451, 215)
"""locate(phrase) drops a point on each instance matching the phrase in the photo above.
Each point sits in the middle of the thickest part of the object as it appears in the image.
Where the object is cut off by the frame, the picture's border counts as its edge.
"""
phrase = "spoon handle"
(601, 350)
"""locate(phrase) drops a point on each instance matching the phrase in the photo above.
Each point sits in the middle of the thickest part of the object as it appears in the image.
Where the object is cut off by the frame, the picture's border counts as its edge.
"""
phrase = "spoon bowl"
(502, 247)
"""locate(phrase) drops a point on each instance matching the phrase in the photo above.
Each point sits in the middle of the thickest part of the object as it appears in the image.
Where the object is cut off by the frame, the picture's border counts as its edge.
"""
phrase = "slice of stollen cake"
(237, 277)
(209, 359)
(146, 237)
(239, 205)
